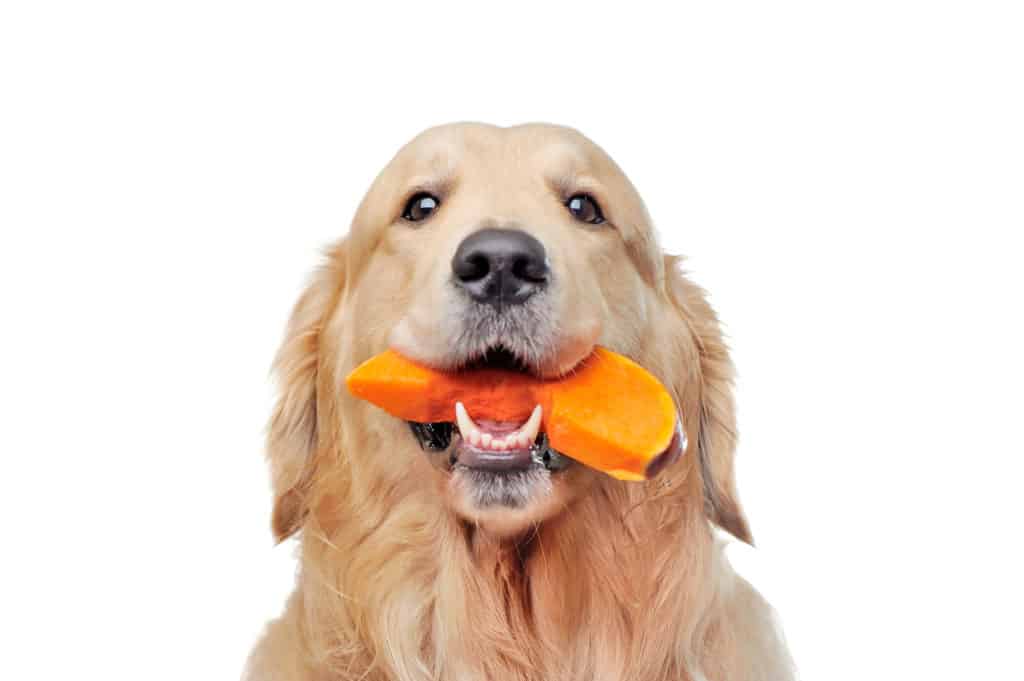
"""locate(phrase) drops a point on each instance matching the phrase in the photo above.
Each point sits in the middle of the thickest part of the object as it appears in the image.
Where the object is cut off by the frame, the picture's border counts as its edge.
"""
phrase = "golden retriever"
(422, 559)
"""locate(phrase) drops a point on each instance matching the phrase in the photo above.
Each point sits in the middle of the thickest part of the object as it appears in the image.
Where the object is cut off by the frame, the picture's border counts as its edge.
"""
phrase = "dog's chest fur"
(552, 605)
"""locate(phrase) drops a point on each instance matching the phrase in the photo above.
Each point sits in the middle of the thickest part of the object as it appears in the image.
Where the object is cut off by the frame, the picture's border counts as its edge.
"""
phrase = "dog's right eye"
(420, 207)
(585, 209)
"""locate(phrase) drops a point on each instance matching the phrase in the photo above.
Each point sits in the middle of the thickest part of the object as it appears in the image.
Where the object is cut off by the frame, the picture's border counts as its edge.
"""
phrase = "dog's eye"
(585, 209)
(420, 207)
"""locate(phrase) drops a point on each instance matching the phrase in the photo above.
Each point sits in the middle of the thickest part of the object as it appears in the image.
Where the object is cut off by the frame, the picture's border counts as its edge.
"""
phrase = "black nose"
(500, 266)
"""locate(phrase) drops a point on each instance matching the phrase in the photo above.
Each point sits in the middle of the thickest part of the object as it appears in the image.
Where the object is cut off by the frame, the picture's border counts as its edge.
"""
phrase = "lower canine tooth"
(465, 424)
(532, 426)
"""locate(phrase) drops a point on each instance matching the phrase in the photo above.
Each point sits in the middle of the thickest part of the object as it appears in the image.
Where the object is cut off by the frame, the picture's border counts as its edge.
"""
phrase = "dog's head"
(483, 246)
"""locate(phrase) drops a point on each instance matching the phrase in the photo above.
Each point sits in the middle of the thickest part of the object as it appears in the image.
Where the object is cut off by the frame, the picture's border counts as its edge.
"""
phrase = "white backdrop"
(846, 179)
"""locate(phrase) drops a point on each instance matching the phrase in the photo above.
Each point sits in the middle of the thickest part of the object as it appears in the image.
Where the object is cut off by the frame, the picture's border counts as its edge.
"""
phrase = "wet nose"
(500, 266)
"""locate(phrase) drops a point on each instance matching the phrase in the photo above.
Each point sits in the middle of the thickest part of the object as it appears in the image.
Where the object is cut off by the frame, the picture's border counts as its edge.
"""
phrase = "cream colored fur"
(612, 581)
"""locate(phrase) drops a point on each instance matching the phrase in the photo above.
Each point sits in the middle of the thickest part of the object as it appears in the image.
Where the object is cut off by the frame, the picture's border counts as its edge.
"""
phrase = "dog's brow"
(440, 184)
(566, 184)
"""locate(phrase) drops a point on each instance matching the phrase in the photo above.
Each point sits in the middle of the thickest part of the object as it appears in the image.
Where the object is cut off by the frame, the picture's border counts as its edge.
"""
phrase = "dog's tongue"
(497, 427)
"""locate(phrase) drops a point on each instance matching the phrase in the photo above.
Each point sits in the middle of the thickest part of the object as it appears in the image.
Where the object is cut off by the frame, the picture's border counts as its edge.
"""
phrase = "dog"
(420, 558)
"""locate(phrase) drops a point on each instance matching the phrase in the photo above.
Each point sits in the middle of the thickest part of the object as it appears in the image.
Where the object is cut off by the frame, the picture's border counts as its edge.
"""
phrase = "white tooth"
(465, 424)
(528, 433)
(522, 438)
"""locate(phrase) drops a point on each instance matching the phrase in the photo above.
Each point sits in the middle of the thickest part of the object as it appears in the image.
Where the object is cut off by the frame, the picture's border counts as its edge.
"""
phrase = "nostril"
(530, 269)
(478, 266)
(472, 267)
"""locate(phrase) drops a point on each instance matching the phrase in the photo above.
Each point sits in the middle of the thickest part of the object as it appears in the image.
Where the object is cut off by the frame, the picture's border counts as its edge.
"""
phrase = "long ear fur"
(716, 419)
(292, 437)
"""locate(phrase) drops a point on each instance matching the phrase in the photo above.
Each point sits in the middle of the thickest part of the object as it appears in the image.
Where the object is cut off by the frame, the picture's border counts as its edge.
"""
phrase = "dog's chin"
(505, 504)
(505, 492)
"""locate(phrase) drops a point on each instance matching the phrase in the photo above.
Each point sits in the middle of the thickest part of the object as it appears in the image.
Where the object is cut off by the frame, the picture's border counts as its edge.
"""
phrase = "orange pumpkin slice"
(609, 413)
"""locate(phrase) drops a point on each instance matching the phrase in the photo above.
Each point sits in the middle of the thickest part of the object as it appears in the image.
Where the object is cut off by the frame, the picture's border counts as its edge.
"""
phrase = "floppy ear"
(712, 393)
(293, 437)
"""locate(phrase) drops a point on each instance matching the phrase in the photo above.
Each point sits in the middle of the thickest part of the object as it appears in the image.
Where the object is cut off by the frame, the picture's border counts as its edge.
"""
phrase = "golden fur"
(600, 579)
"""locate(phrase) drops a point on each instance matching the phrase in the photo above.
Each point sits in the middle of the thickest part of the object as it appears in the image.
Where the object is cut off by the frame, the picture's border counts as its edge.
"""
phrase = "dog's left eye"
(585, 209)
(420, 207)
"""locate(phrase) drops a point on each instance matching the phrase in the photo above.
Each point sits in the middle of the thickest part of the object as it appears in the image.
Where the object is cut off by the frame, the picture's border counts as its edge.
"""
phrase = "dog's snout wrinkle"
(500, 267)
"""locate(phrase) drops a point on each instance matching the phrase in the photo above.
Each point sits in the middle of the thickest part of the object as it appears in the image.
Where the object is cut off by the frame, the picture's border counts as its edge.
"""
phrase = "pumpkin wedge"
(609, 413)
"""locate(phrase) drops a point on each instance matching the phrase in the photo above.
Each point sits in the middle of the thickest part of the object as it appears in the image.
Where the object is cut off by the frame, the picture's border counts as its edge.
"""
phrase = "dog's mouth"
(499, 357)
(497, 447)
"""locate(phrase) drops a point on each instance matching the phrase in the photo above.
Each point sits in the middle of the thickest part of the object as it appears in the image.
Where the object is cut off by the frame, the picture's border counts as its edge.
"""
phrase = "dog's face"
(480, 246)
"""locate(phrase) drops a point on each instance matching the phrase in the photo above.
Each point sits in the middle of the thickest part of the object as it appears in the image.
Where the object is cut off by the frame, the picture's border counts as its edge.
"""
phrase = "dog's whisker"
(338, 592)
(320, 536)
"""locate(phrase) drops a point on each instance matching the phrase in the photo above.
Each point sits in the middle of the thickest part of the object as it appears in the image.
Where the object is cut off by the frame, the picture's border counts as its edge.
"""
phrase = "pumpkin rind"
(609, 413)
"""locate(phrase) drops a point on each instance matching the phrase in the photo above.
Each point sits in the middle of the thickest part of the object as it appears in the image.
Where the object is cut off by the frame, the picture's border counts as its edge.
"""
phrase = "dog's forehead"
(494, 164)
(471, 148)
